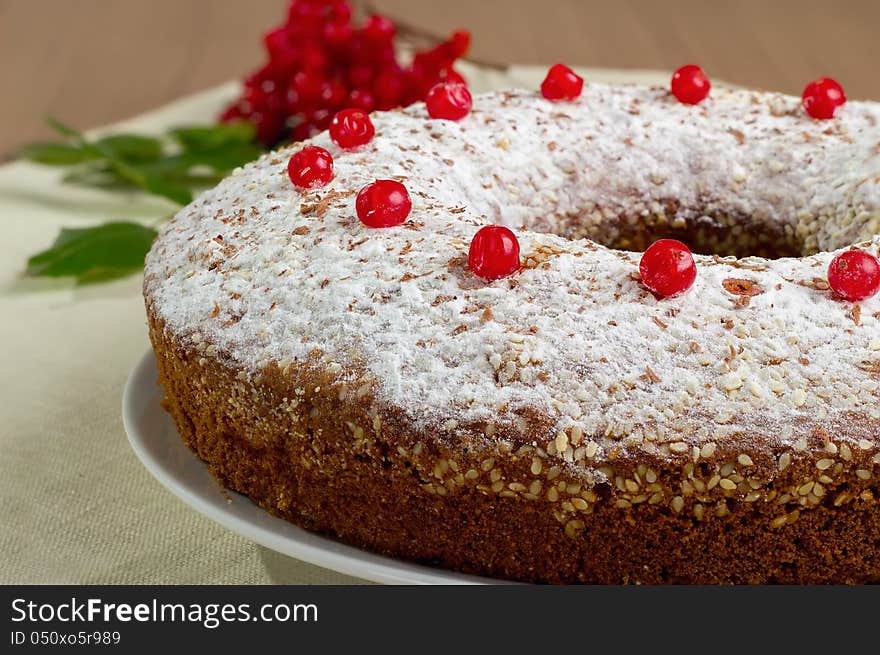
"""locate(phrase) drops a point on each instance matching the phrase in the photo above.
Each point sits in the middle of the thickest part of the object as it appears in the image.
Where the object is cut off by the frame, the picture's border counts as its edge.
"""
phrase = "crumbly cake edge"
(333, 461)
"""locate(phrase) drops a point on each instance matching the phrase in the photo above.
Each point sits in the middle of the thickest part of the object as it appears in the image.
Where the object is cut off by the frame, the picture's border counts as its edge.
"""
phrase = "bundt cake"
(349, 369)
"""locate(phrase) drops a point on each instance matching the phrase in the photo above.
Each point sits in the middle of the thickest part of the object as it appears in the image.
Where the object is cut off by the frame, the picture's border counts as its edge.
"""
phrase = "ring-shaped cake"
(561, 424)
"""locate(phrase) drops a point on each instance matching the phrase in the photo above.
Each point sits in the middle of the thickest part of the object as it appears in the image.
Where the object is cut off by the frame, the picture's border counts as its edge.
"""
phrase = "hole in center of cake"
(706, 235)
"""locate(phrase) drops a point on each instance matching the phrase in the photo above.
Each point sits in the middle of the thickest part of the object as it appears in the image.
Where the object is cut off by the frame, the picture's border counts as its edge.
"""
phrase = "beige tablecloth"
(77, 505)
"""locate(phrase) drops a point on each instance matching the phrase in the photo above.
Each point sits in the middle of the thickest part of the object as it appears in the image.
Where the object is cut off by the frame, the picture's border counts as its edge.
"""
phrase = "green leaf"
(54, 154)
(227, 158)
(131, 147)
(144, 178)
(214, 136)
(78, 139)
(159, 186)
(100, 177)
(220, 160)
(65, 130)
(94, 253)
(131, 160)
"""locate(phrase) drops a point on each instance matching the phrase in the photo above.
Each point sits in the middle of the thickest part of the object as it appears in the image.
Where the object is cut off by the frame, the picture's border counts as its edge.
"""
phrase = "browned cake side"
(311, 452)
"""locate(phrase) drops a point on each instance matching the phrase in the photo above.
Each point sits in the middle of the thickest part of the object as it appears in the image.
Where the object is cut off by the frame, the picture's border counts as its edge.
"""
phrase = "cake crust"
(296, 443)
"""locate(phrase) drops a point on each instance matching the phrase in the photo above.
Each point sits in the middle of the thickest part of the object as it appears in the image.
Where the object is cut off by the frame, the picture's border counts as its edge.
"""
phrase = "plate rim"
(324, 552)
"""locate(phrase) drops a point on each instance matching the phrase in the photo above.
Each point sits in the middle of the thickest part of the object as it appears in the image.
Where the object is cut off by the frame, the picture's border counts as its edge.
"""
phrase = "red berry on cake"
(690, 84)
(667, 267)
(822, 97)
(351, 128)
(854, 275)
(383, 203)
(449, 100)
(561, 83)
(310, 167)
(494, 253)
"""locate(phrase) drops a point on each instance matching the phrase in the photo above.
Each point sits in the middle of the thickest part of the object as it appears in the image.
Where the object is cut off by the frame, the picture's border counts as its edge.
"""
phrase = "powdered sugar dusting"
(265, 273)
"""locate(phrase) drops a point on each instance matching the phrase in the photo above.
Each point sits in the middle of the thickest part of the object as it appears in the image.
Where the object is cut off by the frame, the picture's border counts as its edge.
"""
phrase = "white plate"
(155, 441)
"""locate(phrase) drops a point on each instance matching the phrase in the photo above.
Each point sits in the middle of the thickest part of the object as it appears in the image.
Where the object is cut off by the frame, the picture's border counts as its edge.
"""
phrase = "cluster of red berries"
(667, 267)
(319, 63)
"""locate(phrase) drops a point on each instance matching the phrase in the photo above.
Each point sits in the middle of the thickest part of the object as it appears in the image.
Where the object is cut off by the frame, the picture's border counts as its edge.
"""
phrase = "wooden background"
(90, 62)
